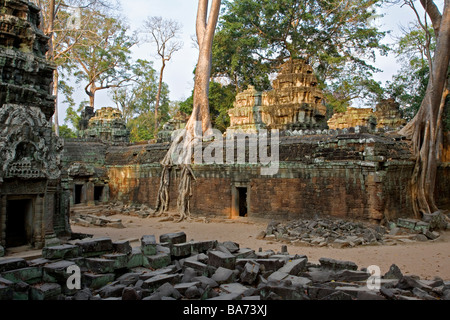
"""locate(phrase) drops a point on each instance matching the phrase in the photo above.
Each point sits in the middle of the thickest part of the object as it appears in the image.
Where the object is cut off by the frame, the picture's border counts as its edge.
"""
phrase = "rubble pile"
(177, 269)
(341, 233)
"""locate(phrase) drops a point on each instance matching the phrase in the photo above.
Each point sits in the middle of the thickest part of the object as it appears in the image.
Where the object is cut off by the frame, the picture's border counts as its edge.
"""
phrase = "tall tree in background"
(425, 129)
(200, 117)
(65, 26)
(103, 55)
(137, 99)
(337, 37)
(163, 33)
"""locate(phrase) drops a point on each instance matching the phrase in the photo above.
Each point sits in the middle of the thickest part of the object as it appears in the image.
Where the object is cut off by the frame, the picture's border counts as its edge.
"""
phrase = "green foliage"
(103, 55)
(221, 99)
(137, 101)
(336, 37)
(66, 132)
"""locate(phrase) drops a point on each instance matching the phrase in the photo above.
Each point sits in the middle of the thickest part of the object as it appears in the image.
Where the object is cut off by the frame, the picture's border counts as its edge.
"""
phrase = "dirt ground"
(424, 259)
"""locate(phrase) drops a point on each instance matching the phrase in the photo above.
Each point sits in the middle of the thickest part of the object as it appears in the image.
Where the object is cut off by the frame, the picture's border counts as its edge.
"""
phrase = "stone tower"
(295, 102)
(33, 206)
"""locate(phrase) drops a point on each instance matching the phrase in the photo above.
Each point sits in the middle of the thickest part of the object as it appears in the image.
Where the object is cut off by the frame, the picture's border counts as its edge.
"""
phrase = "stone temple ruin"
(294, 103)
(33, 198)
(323, 170)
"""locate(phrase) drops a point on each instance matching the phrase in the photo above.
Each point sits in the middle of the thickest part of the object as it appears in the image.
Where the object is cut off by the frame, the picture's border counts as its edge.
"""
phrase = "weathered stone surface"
(120, 260)
(95, 247)
(159, 260)
(220, 259)
(7, 264)
(130, 294)
(29, 275)
(97, 281)
(111, 290)
(233, 288)
(173, 238)
(57, 272)
(158, 280)
(122, 246)
(99, 265)
(136, 259)
(294, 267)
(250, 272)
(148, 245)
(393, 273)
(223, 275)
(45, 291)
(2, 251)
(64, 251)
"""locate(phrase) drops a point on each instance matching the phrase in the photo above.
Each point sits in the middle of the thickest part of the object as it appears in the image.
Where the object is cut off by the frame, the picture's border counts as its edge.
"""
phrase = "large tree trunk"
(158, 97)
(185, 141)
(425, 130)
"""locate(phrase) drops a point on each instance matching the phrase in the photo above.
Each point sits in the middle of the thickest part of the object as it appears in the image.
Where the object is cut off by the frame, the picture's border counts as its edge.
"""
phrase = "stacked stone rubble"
(175, 269)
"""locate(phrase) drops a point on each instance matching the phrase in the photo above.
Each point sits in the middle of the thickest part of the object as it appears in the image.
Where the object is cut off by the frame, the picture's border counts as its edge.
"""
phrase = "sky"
(178, 73)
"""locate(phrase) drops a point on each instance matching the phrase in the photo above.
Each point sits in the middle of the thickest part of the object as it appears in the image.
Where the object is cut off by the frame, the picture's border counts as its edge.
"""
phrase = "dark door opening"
(78, 190)
(242, 191)
(98, 192)
(18, 222)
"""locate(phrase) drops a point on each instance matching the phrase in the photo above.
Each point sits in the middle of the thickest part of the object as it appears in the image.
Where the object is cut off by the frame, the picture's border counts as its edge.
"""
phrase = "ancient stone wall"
(386, 116)
(33, 201)
(359, 176)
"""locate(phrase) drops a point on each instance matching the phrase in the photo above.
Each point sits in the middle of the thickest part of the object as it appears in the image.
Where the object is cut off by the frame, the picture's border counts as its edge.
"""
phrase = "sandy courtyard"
(424, 259)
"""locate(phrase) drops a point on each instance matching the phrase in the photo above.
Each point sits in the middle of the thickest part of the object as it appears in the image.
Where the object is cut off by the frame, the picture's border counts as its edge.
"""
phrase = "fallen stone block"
(294, 267)
(196, 265)
(45, 291)
(158, 280)
(193, 292)
(111, 290)
(7, 264)
(277, 276)
(245, 253)
(337, 264)
(224, 275)
(30, 275)
(130, 294)
(82, 295)
(57, 272)
(38, 262)
(148, 245)
(180, 250)
(393, 273)
(150, 274)
(2, 251)
(159, 260)
(298, 281)
(167, 290)
(319, 292)
(351, 275)
(231, 246)
(99, 265)
(95, 247)
(406, 223)
(96, 281)
(173, 238)
(120, 260)
(233, 288)
(320, 276)
(220, 259)
(136, 259)
(203, 246)
(183, 287)
(64, 251)
(21, 291)
(250, 272)
(206, 282)
(122, 246)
